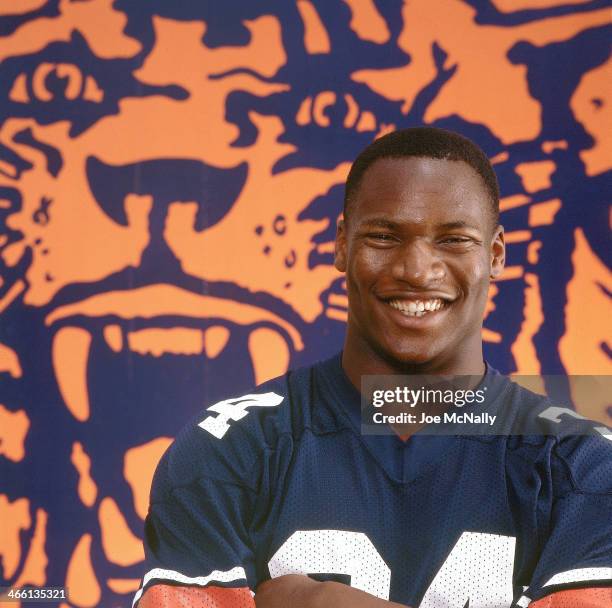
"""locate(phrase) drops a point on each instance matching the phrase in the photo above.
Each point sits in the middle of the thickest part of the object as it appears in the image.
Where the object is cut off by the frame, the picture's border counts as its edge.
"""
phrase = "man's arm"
(575, 561)
(171, 596)
(300, 591)
(576, 598)
(197, 552)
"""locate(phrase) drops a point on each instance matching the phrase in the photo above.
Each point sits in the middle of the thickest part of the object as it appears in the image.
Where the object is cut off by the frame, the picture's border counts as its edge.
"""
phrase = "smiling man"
(277, 494)
(419, 244)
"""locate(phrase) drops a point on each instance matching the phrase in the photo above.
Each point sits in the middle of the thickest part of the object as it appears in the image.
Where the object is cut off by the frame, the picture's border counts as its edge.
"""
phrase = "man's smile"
(418, 306)
(417, 313)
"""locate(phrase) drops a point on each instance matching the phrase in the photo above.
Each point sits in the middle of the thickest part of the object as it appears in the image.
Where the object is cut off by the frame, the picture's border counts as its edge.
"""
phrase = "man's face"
(419, 248)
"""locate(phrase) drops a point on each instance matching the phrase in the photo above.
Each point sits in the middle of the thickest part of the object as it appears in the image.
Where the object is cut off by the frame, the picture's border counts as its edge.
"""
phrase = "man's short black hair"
(428, 142)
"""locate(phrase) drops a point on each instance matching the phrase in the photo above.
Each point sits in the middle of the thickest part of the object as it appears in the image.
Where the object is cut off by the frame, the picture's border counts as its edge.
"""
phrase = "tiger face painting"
(170, 180)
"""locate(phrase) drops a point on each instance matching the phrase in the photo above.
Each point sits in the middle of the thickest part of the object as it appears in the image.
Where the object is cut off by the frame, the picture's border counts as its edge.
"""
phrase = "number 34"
(461, 577)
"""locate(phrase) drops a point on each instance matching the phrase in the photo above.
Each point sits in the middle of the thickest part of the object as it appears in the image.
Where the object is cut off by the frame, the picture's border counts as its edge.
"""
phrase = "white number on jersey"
(478, 569)
(334, 552)
(554, 414)
(235, 409)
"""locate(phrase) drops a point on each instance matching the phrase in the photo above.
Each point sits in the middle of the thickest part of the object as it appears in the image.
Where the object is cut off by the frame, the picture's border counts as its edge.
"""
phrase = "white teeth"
(269, 353)
(113, 336)
(70, 355)
(216, 338)
(416, 308)
(158, 341)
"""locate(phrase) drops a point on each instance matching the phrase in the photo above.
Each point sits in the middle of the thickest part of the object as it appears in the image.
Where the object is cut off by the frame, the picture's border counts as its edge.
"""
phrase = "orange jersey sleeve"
(174, 596)
(577, 598)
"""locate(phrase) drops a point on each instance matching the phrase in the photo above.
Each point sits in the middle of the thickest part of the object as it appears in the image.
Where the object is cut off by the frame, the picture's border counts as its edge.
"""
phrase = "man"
(265, 488)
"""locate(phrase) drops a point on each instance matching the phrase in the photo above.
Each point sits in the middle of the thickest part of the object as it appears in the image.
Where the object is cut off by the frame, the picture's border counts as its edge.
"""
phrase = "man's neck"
(359, 359)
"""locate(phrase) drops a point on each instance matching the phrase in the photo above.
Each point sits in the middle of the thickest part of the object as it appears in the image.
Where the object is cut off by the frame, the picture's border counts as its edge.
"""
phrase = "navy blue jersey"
(282, 481)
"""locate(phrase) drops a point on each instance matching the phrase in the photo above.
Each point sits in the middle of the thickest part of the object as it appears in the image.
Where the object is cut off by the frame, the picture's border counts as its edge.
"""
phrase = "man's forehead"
(407, 177)
(409, 172)
(378, 220)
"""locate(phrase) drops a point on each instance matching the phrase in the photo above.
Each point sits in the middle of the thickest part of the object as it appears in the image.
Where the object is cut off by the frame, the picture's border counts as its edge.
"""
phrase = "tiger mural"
(170, 179)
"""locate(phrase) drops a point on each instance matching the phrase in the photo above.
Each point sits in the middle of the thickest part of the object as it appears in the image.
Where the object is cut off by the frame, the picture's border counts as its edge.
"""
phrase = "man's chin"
(411, 356)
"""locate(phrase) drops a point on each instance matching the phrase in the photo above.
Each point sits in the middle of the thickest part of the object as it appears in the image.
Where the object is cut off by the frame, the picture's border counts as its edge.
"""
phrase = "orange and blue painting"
(171, 174)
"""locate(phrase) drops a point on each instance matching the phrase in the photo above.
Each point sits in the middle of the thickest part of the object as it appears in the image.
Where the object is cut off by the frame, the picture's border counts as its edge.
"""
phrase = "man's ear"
(498, 252)
(340, 249)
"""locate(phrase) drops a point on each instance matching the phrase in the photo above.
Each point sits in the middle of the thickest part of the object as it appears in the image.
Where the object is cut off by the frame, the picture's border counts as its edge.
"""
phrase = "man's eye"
(456, 239)
(380, 236)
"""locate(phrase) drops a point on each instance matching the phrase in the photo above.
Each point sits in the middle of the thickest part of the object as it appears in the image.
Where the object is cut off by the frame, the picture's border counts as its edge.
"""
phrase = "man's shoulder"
(228, 438)
(555, 436)
(539, 414)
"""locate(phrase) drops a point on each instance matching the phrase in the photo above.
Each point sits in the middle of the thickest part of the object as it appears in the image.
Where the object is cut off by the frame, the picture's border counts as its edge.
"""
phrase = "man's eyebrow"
(379, 222)
(457, 224)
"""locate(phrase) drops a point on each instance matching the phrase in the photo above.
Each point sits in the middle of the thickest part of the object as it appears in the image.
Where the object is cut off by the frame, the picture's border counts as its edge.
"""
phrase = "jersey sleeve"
(196, 533)
(577, 552)
(174, 596)
(584, 598)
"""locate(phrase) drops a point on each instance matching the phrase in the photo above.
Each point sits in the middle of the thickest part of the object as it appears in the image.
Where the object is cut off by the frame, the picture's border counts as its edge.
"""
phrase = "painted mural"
(171, 174)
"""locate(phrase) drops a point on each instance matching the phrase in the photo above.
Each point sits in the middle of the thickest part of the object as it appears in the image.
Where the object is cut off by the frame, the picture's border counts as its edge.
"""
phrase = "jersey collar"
(403, 461)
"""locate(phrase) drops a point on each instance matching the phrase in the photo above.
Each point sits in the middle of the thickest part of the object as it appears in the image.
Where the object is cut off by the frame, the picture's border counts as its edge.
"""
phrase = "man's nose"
(417, 264)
